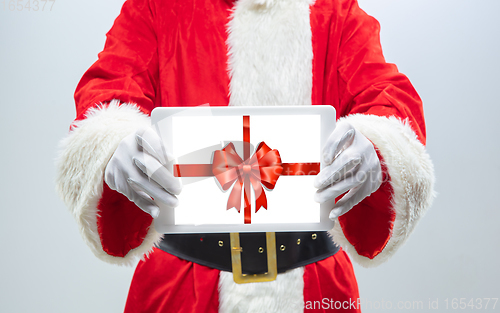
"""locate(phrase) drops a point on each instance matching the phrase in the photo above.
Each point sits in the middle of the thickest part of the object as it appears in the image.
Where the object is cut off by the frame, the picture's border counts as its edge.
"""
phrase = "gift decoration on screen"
(243, 175)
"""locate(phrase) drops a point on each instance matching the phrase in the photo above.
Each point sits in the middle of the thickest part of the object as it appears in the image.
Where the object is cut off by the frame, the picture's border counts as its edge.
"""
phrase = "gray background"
(449, 49)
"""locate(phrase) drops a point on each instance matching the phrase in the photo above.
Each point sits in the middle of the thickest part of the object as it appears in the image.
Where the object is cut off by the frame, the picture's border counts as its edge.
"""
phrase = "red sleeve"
(367, 83)
(370, 86)
(127, 68)
(126, 72)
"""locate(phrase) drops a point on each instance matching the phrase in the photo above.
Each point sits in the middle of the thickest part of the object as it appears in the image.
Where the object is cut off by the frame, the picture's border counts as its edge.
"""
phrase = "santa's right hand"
(137, 170)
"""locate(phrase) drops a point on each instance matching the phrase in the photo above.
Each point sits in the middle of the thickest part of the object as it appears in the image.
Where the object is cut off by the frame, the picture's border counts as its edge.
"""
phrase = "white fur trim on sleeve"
(84, 154)
(285, 294)
(412, 179)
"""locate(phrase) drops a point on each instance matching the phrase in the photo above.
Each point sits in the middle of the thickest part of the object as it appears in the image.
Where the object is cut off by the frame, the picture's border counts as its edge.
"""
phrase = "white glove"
(352, 164)
(137, 171)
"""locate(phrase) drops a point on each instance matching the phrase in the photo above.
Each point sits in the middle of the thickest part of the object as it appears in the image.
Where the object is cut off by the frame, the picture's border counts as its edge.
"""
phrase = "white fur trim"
(284, 295)
(84, 154)
(412, 179)
(270, 53)
(268, 68)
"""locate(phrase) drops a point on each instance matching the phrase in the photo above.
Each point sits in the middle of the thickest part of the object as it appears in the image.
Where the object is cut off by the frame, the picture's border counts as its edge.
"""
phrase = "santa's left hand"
(351, 164)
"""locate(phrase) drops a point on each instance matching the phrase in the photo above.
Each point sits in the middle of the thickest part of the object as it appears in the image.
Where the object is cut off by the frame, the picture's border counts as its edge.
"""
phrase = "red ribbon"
(263, 168)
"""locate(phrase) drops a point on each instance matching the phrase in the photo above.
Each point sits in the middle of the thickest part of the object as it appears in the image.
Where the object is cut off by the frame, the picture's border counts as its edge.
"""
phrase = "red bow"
(264, 167)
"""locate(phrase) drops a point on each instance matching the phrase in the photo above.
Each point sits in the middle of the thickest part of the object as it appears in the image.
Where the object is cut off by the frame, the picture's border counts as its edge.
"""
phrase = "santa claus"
(245, 53)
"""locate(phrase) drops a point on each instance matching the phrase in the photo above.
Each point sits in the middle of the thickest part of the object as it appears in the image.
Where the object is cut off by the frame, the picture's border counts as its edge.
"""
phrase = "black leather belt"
(293, 249)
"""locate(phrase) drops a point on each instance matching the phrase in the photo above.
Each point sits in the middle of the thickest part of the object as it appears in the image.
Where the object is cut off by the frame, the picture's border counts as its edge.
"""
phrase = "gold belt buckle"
(272, 268)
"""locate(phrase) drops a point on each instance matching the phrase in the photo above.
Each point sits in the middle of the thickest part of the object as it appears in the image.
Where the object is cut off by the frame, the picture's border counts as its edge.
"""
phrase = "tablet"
(245, 169)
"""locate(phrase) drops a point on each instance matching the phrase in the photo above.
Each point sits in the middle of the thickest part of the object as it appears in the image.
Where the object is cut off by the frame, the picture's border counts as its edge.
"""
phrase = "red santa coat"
(249, 52)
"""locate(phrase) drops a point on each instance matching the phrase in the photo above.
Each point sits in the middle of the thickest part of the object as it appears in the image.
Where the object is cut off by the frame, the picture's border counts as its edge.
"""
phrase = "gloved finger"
(347, 162)
(147, 206)
(335, 190)
(153, 191)
(149, 140)
(157, 172)
(340, 139)
(348, 201)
